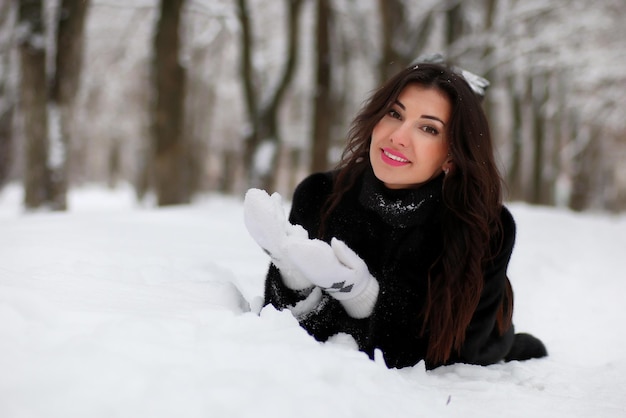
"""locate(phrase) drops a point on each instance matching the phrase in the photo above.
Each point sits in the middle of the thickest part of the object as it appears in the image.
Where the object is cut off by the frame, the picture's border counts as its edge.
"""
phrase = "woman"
(406, 245)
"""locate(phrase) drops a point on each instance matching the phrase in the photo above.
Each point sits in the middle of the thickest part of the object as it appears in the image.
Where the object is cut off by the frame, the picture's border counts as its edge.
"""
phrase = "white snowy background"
(120, 310)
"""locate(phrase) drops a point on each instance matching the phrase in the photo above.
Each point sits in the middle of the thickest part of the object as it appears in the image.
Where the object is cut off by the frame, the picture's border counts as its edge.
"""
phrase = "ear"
(447, 165)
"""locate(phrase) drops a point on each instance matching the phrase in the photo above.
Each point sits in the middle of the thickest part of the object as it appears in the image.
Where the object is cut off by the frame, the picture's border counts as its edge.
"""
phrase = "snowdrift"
(117, 310)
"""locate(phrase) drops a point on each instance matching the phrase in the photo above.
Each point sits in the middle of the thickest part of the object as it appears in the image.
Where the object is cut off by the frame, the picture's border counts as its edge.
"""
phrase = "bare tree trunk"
(454, 24)
(392, 15)
(488, 103)
(7, 97)
(68, 68)
(586, 165)
(323, 111)
(558, 135)
(514, 175)
(228, 171)
(45, 178)
(114, 163)
(169, 145)
(538, 192)
(247, 79)
(263, 117)
(402, 40)
(200, 103)
(6, 134)
(33, 98)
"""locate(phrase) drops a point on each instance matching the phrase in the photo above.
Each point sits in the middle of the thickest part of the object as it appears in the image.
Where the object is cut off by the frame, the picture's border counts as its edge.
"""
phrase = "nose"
(401, 136)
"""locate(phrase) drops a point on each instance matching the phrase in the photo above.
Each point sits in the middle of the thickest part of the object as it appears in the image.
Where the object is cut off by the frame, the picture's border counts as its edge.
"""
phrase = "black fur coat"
(397, 234)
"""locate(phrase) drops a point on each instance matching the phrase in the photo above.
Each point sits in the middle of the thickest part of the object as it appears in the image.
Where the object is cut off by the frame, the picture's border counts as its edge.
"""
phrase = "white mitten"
(265, 220)
(338, 270)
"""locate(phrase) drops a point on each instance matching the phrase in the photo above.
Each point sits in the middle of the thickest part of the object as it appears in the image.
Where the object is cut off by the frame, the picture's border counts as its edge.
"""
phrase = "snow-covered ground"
(118, 310)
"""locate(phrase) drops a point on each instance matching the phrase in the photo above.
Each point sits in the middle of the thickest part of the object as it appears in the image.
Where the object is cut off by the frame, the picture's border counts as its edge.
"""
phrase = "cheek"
(438, 153)
(374, 137)
(372, 149)
(382, 130)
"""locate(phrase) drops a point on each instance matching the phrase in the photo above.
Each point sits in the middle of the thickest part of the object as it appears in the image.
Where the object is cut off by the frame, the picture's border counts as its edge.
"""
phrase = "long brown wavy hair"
(472, 197)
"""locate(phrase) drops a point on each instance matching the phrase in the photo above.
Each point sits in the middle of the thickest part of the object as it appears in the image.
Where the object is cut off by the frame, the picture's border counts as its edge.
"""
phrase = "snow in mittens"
(119, 310)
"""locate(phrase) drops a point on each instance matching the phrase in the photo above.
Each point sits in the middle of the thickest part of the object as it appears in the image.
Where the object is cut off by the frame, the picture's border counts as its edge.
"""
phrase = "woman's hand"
(338, 270)
(305, 262)
(265, 220)
(335, 267)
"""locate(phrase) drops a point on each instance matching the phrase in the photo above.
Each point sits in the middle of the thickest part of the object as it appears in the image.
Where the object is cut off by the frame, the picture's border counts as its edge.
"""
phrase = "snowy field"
(119, 310)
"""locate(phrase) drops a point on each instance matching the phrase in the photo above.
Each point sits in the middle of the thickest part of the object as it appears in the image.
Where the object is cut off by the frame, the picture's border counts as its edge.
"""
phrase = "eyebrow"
(423, 116)
(434, 118)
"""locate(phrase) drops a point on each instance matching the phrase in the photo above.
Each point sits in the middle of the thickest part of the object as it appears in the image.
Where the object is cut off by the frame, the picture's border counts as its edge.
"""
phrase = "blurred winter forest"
(180, 97)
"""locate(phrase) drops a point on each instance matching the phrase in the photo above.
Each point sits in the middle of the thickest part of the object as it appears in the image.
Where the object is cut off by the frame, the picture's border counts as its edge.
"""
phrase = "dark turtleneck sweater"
(398, 235)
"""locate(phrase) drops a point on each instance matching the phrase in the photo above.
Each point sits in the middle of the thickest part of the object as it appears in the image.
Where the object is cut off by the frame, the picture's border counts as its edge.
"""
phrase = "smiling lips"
(393, 158)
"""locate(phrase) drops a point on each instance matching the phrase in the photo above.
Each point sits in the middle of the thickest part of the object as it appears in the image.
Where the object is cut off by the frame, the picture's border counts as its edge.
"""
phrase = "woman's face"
(410, 143)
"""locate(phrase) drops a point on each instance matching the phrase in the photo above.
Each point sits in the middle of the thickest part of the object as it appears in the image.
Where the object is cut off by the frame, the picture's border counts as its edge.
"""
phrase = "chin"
(394, 183)
(391, 180)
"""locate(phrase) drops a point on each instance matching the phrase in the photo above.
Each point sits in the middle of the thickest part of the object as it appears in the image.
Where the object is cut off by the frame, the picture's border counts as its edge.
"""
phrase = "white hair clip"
(476, 82)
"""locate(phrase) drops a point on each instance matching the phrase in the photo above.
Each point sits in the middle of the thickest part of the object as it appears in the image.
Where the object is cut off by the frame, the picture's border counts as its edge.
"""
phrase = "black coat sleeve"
(328, 317)
(483, 342)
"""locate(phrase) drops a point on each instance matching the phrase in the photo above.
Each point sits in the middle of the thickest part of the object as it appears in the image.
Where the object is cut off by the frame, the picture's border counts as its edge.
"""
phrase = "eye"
(394, 114)
(430, 130)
